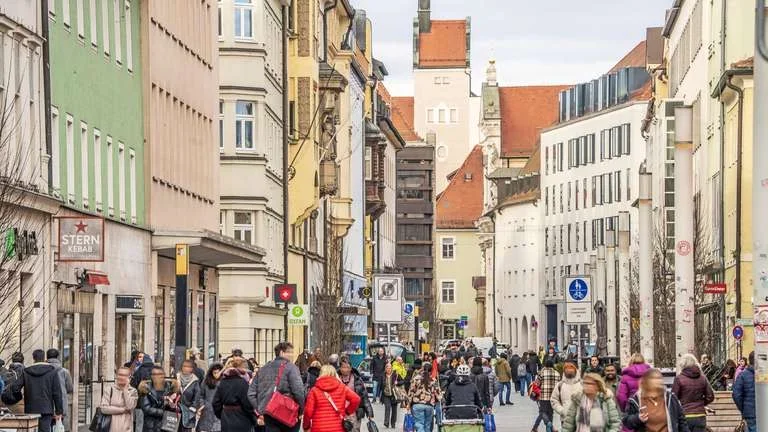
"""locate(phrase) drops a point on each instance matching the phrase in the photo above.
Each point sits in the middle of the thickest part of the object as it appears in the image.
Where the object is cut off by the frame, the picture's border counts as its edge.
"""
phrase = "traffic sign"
(738, 332)
(578, 304)
(408, 308)
(285, 293)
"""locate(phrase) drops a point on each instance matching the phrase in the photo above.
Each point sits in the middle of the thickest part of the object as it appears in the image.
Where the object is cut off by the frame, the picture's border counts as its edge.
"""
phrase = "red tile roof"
(382, 89)
(402, 117)
(643, 93)
(461, 203)
(522, 197)
(445, 46)
(747, 63)
(635, 58)
(524, 112)
(534, 162)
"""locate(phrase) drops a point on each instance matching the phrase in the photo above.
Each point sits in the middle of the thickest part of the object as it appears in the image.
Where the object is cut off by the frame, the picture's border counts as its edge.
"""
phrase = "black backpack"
(10, 378)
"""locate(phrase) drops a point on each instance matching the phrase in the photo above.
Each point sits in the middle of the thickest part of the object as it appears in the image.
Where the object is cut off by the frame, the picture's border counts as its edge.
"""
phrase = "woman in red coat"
(319, 413)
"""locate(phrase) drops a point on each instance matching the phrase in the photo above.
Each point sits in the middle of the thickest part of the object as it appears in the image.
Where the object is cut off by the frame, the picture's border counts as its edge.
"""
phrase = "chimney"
(425, 20)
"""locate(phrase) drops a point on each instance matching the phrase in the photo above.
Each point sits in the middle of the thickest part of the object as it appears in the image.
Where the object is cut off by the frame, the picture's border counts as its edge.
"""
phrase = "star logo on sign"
(285, 295)
(81, 227)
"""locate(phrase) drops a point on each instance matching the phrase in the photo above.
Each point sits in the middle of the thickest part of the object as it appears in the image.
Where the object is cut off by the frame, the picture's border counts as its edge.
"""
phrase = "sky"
(533, 42)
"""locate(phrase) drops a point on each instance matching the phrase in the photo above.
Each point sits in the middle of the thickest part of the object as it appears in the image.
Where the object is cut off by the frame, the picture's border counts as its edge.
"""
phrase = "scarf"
(349, 382)
(185, 380)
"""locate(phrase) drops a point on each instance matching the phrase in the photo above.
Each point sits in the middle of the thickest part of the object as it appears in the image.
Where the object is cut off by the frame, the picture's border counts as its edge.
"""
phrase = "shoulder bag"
(280, 407)
(346, 421)
(101, 422)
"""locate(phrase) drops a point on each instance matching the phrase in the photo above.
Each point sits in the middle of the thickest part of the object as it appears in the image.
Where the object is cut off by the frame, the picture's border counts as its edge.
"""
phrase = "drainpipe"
(739, 163)
(45, 29)
(325, 28)
(286, 132)
(493, 276)
(721, 234)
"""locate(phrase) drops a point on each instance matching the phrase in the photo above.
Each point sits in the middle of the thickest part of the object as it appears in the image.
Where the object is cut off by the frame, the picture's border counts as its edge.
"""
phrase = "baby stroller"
(462, 418)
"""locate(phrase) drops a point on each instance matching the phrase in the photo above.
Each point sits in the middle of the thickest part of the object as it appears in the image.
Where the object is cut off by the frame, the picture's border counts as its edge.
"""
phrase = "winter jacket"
(378, 367)
(462, 391)
(630, 382)
(693, 390)
(533, 365)
(231, 403)
(483, 384)
(399, 369)
(263, 385)
(493, 381)
(312, 374)
(604, 402)
(303, 363)
(365, 408)
(65, 378)
(42, 389)
(564, 390)
(675, 418)
(208, 420)
(14, 374)
(143, 372)
(514, 361)
(503, 371)
(319, 414)
(119, 404)
(154, 403)
(547, 379)
(744, 393)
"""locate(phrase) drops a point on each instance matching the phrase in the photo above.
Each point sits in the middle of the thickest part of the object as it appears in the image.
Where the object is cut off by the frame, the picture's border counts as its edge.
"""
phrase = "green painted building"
(96, 99)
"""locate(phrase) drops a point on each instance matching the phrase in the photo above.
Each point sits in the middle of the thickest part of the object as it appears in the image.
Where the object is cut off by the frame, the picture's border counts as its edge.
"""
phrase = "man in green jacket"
(504, 377)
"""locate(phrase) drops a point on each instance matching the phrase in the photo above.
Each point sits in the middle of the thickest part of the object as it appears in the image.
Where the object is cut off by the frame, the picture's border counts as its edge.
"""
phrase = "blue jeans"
(423, 416)
(751, 425)
(439, 413)
(507, 386)
(523, 380)
(545, 414)
(376, 387)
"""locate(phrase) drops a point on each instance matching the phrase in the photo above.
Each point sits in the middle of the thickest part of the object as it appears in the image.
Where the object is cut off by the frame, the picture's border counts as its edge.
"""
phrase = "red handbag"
(280, 407)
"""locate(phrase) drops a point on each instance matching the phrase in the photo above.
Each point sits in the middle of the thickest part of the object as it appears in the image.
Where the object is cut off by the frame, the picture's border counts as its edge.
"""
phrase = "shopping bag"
(101, 422)
(409, 423)
(372, 426)
(58, 427)
(490, 422)
(170, 422)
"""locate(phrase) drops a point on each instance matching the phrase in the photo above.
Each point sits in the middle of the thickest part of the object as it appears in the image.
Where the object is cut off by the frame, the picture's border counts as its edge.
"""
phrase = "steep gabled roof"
(461, 203)
(445, 46)
(524, 112)
(402, 117)
(533, 165)
(635, 58)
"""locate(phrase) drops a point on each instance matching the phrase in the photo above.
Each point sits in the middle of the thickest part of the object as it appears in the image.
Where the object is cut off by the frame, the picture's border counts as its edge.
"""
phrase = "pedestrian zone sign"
(578, 299)
(298, 315)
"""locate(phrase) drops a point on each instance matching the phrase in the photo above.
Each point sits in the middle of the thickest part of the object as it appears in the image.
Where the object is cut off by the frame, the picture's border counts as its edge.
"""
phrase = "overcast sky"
(534, 42)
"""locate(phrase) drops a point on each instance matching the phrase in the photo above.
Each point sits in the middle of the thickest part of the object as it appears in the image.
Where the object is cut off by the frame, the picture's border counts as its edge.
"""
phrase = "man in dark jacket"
(482, 382)
(42, 391)
(744, 394)
(378, 366)
(461, 395)
(65, 379)
(533, 364)
(290, 384)
(593, 366)
(514, 362)
(143, 372)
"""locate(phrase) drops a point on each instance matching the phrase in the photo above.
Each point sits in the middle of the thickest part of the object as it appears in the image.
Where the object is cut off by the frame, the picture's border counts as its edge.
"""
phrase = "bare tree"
(327, 315)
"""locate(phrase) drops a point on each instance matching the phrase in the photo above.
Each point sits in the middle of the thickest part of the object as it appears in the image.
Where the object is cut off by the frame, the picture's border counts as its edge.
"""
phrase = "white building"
(251, 170)
(589, 167)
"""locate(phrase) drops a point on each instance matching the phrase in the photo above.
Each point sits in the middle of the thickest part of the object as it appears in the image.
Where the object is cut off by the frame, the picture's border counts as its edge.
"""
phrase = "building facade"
(251, 87)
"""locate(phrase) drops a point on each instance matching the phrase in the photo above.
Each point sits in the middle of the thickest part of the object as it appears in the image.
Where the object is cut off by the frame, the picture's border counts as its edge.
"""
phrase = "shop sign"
(19, 243)
(129, 304)
(81, 239)
(298, 315)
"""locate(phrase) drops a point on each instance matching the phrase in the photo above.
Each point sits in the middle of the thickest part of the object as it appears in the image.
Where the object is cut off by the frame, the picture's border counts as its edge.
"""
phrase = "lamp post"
(645, 270)
(684, 274)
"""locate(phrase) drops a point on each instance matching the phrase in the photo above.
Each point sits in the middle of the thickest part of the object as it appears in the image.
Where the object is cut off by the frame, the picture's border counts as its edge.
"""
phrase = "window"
(118, 38)
(128, 36)
(368, 163)
(561, 198)
(617, 177)
(546, 160)
(585, 237)
(546, 241)
(220, 18)
(577, 194)
(80, 20)
(554, 159)
(562, 250)
(448, 291)
(55, 155)
(578, 237)
(594, 191)
(243, 19)
(65, 13)
(625, 141)
(244, 122)
(448, 248)
(110, 177)
(629, 195)
(221, 125)
(93, 21)
(105, 25)
(608, 184)
(121, 177)
(546, 201)
(222, 223)
(569, 238)
(97, 169)
(84, 162)
(70, 159)
(133, 185)
(569, 196)
(430, 116)
(584, 189)
(243, 227)
(441, 115)
(560, 156)
(454, 115)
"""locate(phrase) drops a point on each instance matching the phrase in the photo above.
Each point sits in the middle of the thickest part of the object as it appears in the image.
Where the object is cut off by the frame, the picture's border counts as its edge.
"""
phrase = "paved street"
(516, 418)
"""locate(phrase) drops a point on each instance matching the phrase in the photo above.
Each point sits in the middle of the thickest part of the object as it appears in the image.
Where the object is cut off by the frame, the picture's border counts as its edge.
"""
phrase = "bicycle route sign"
(578, 299)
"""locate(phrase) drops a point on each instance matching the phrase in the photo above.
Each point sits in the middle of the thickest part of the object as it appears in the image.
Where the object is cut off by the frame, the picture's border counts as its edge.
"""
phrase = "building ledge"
(341, 216)
(207, 248)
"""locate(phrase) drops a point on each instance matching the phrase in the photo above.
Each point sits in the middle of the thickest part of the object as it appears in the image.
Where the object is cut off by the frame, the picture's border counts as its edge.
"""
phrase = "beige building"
(251, 153)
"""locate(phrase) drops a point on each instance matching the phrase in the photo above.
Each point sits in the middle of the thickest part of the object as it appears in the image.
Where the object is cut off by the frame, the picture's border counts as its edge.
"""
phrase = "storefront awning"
(207, 248)
(94, 277)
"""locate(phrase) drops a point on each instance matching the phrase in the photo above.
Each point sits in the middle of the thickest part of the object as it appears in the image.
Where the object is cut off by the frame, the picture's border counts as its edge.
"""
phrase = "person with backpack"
(65, 378)
(15, 403)
(522, 375)
(42, 391)
(461, 394)
(546, 381)
(493, 380)
(483, 383)
(504, 375)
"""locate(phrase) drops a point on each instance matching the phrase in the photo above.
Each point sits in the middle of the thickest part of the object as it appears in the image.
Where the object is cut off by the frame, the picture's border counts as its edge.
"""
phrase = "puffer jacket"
(630, 382)
(605, 403)
(462, 391)
(693, 390)
(319, 414)
(564, 390)
(744, 393)
(365, 408)
(675, 418)
(154, 403)
(483, 384)
(142, 373)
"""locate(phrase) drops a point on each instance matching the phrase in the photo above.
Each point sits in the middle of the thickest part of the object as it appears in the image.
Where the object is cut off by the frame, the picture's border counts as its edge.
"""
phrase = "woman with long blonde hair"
(593, 409)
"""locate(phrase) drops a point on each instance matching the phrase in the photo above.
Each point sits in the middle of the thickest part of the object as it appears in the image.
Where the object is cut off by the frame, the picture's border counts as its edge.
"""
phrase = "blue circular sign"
(408, 308)
(738, 332)
(578, 289)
